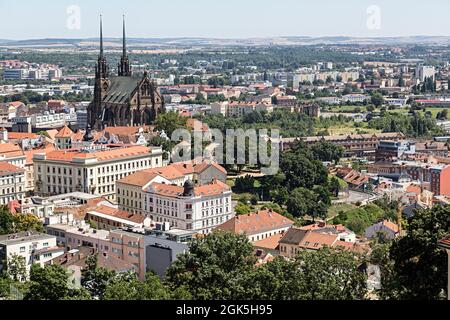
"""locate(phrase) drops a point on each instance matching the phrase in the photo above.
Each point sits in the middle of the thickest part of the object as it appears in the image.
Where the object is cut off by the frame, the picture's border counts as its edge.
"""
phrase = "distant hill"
(183, 42)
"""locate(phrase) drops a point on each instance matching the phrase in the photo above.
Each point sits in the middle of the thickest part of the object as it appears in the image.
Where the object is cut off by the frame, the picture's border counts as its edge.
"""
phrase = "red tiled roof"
(65, 132)
(30, 153)
(22, 135)
(10, 150)
(7, 168)
(258, 222)
(101, 155)
(114, 212)
(271, 242)
(445, 242)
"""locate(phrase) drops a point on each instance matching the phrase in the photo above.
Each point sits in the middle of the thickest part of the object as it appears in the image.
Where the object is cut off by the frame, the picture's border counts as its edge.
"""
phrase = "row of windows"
(129, 193)
(10, 180)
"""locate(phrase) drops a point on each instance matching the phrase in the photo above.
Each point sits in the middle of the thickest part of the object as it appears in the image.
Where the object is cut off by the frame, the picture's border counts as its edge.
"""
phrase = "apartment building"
(357, 145)
(13, 154)
(93, 170)
(12, 183)
(239, 109)
(196, 208)
(34, 247)
(131, 189)
(432, 177)
(129, 247)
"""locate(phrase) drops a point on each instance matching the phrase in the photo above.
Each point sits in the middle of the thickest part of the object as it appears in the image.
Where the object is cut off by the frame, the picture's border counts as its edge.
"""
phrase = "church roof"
(121, 88)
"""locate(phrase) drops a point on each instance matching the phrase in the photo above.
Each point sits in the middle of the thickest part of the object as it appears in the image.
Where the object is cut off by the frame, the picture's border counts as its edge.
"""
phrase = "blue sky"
(31, 19)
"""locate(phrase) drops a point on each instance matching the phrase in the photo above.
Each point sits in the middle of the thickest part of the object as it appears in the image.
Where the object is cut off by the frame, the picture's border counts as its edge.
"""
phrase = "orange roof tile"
(257, 222)
(30, 153)
(316, 241)
(390, 225)
(65, 132)
(117, 213)
(9, 150)
(115, 152)
(271, 242)
(22, 135)
(7, 168)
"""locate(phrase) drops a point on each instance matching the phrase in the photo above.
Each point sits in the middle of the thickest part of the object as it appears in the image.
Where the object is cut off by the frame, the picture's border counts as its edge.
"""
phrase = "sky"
(36, 19)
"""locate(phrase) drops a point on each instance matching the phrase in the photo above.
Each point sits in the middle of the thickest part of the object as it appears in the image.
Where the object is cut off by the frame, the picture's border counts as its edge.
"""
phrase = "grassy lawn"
(349, 128)
(230, 182)
(335, 209)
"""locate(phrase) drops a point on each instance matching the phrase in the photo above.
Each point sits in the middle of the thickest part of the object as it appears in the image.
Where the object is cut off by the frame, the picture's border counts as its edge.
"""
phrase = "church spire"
(124, 65)
(102, 67)
(101, 37)
(124, 46)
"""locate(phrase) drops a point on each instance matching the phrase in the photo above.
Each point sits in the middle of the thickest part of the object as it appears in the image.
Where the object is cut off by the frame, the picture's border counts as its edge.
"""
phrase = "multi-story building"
(296, 240)
(110, 218)
(131, 189)
(63, 139)
(12, 154)
(423, 72)
(12, 183)
(432, 177)
(239, 109)
(357, 145)
(15, 74)
(394, 149)
(353, 98)
(199, 209)
(31, 246)
(130, 247)
(93, 170)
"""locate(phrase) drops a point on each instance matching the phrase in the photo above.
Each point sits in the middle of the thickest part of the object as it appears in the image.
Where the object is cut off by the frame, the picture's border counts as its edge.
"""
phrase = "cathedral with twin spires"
(124, 99)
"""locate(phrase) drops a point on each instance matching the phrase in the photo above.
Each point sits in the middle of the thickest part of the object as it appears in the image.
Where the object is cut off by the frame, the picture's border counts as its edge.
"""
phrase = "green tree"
(16, 267)
(127, 286)
(335, 186)
(327, 151)
(169, 122)
(242, 208)
(377, 99)
(322, 275)
(214, 267)
(419, 266)
(95, 279)
(48, 283)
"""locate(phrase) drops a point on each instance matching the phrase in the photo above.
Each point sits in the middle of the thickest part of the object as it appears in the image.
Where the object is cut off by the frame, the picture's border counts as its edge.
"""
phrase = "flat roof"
(22, 237)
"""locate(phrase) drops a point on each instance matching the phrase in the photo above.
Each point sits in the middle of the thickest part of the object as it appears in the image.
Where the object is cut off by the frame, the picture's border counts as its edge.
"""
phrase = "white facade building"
(198, 209)
(91, 170)
(33, 247)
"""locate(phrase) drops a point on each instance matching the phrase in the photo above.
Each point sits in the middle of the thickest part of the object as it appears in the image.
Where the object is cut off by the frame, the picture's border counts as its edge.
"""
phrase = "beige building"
(93, 170)
(131, 189)
(129, 247)
(12, 154)
(12, 183)
(199, 209)
(239, 109)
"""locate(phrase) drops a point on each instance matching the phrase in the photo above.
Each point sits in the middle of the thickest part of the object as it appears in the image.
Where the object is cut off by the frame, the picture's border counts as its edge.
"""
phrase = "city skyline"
(251, 19)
